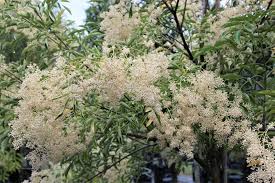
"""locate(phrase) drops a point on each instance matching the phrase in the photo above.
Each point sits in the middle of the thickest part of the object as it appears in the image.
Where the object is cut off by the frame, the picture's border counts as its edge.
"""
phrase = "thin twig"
(51, 31)
(177, 5)
(183, 15)
(137, 140)
(172, 38)
(179, 28)
(15, 77)
(118, 161)
(140, 136)
(268, 6)
(167, 5)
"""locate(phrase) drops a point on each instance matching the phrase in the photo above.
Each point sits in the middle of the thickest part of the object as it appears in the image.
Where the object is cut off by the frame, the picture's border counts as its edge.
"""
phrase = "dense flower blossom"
(44, 110)
(144, 72)
(260, 158)
(44, 123)
(110, 80)
(205, 104)
(118, 76)
(122, 23)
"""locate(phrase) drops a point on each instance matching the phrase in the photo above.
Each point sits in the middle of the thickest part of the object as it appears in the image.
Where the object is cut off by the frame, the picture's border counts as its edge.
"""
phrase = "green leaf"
(266, 92)
(231, 76)
(238, 36)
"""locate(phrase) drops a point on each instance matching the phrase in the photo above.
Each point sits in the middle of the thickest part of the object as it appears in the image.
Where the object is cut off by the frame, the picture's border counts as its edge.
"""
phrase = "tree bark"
(216, 176)
(218, 167)
(225, 161)
(214, 162)
(196, 171)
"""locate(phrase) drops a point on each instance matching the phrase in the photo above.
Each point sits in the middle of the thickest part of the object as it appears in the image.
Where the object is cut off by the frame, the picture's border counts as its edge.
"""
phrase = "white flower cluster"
(260, 158)
(45, 118)
(205, 105)
(144, 72)
(118, 24)
(118, 76)
(44, 123)
(110, 80)
(221, 18)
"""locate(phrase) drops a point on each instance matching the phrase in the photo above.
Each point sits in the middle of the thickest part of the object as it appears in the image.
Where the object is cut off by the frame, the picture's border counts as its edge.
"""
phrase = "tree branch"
(183, 16)
(139, 136)
(118, 161)
(12, 75)
(51, 31)
(268, 6)
(179, 28)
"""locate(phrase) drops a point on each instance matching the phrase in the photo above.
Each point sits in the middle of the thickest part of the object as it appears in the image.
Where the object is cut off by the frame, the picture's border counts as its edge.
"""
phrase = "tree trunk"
(212, 158)
(216, 178)
(218, 167)
(216, 175)
(196, 171)
(214, 164)
(225, 161)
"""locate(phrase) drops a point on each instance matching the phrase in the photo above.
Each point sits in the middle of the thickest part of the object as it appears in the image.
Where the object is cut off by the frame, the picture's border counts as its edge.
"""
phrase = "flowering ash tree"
(186, 79)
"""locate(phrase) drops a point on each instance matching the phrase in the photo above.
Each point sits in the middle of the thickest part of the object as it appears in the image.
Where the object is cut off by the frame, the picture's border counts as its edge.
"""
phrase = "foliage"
(22, 43)
(11, 161)
(181, 78)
